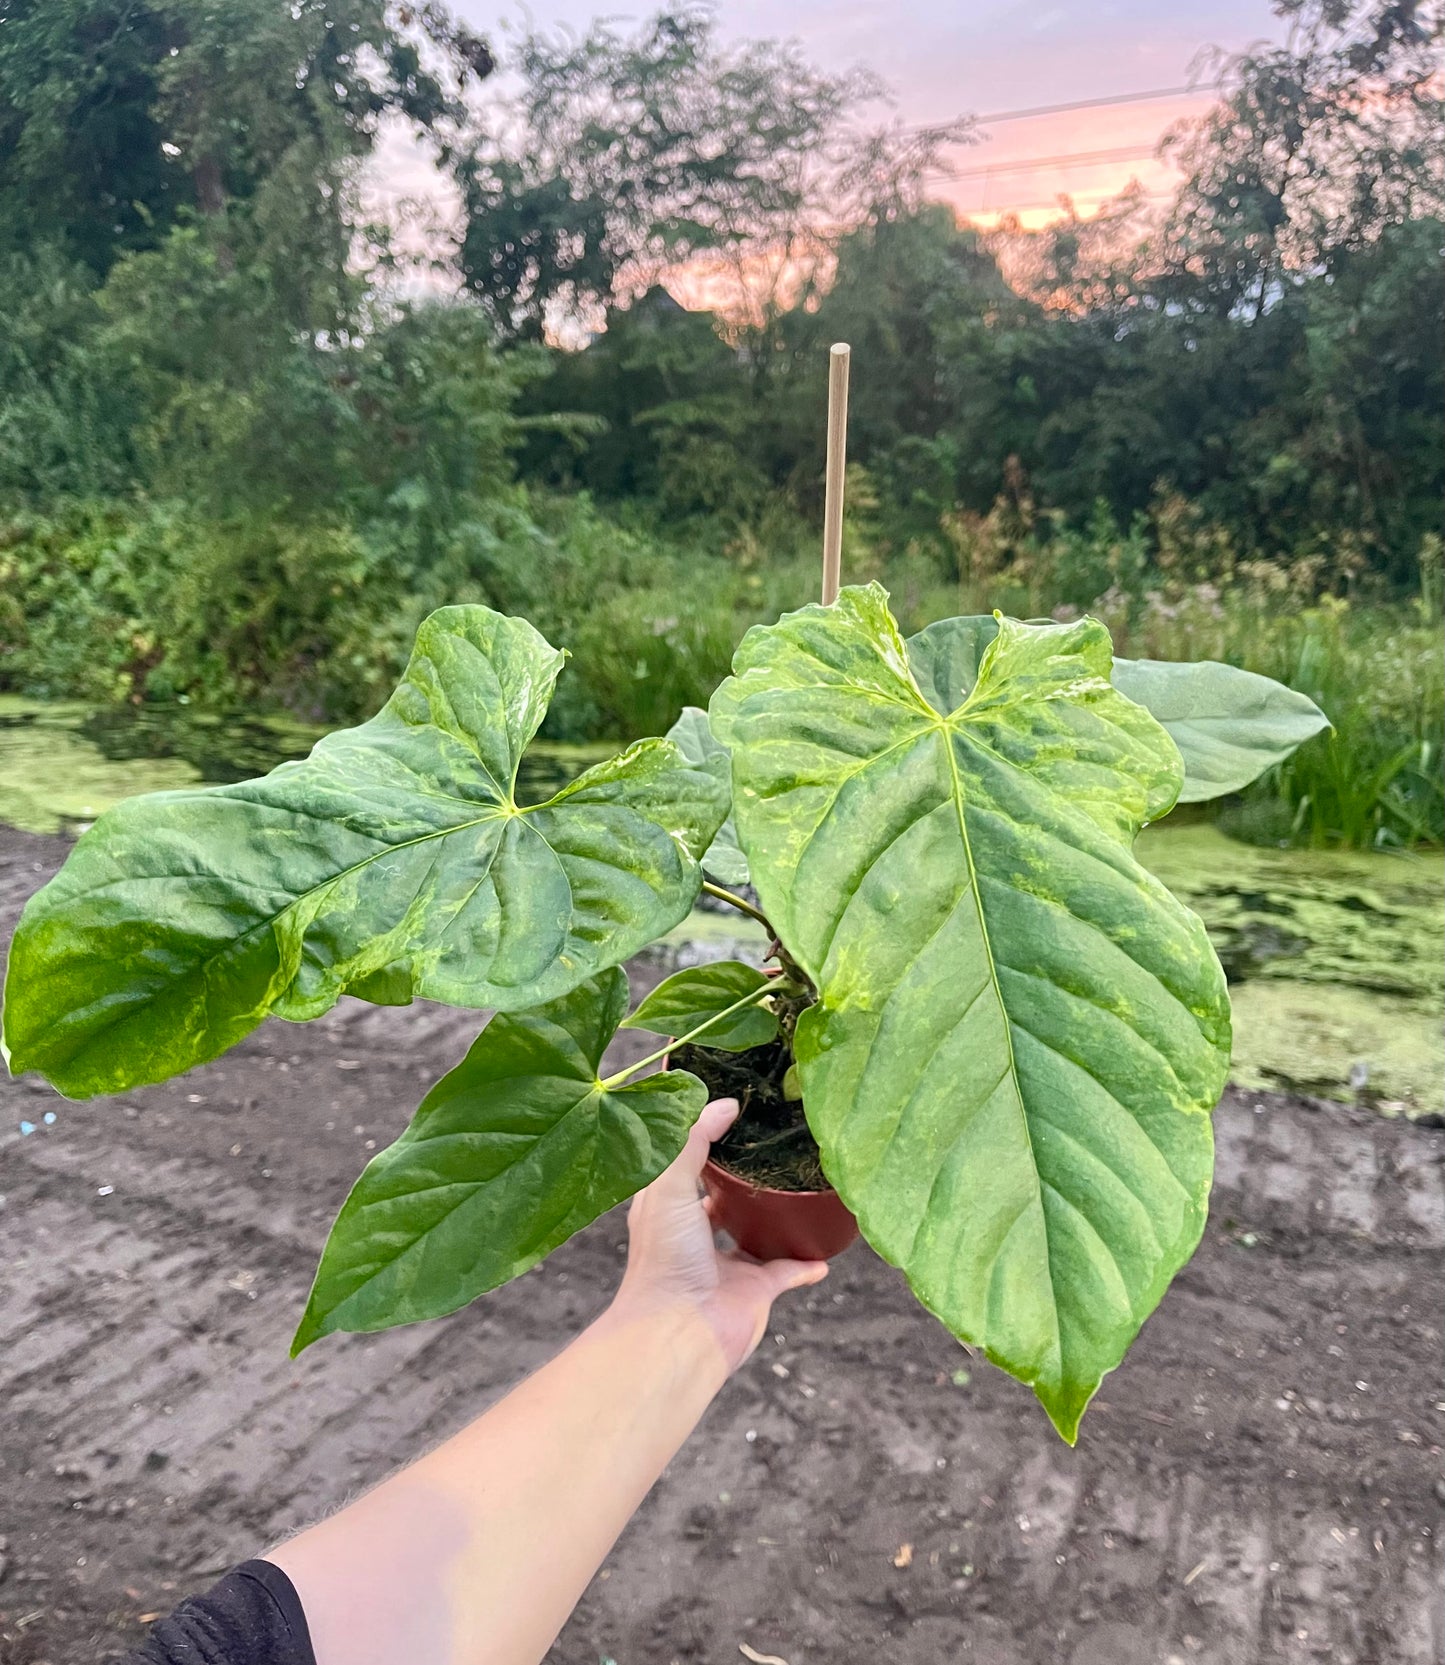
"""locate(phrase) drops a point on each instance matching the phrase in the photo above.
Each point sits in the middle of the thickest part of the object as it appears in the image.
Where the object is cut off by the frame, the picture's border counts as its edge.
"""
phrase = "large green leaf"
(1019, 1030)
(1229, 725)
(508, 1155)
(944, 658)
(688, 999)
(392, 863)
(724, 860)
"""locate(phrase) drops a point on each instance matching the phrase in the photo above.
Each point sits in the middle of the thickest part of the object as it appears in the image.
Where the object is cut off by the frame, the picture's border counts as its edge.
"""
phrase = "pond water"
(61, 764)
(1334, 957)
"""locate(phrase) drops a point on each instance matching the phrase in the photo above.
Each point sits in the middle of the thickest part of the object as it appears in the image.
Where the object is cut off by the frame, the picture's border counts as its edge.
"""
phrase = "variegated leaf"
(394, 862)
(1019, 1030)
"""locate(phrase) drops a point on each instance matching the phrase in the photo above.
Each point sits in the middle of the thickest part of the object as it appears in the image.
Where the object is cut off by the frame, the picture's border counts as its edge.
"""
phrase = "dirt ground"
(1261, 1481)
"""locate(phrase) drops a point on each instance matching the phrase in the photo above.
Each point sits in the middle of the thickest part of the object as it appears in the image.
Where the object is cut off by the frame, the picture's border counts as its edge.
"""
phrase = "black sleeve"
(252, 1616)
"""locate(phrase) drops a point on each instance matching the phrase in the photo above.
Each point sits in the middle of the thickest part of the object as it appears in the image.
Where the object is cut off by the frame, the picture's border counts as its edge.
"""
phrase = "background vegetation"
(245, 444)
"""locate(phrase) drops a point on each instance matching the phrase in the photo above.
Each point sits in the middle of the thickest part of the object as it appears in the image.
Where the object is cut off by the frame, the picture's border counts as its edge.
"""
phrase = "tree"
(669, 416)
(118, 118)
(1322, 143)
(179, 225)
(1270, 348)
(626, 153)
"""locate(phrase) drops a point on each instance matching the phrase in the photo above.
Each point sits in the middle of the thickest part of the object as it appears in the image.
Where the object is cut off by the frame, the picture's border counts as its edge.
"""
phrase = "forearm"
(476, 1554)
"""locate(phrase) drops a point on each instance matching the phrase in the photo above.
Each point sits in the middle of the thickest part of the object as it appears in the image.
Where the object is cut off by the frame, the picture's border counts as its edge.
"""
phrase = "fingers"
(716, 1118)
(680, 1180)
(783, 1275)
(714, 1121)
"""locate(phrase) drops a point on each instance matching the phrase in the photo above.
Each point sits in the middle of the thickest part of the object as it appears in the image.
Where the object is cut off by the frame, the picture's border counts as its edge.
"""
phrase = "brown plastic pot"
(769, 1224)
(778, 1225)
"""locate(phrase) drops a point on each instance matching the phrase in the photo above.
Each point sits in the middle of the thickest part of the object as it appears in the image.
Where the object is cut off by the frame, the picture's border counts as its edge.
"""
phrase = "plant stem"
(776, 951)
(741, 903)
(753, 997)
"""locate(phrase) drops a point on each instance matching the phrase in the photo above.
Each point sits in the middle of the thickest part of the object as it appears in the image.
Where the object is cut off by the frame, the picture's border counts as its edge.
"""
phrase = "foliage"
(622, 155)
(627, 153)
(1229, 725)
(117, 121)
(236, 465)
(394, 863)
(706, 996)
(1321, 146)
(1016, 1027)
(1313, 427)
(693, 736)
(1008, 1035)
(1375, 781)
(508, 1155)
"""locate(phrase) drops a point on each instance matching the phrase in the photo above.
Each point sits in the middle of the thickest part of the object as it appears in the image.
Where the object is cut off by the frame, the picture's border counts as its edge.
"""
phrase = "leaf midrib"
(948, 728)
(956, 793)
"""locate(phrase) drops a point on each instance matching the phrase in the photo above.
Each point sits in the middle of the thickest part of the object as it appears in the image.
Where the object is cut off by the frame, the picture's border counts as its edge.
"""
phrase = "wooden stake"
(837, 463)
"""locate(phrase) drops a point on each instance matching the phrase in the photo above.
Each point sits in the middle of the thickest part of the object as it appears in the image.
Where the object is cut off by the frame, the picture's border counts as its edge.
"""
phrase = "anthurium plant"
(1002, 1034)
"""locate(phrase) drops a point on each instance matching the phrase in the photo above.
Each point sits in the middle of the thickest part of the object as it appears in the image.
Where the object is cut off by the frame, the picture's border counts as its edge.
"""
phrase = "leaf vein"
(1099, 1238)
(1108, 1093)
(1108, 1011)
(974, 1110)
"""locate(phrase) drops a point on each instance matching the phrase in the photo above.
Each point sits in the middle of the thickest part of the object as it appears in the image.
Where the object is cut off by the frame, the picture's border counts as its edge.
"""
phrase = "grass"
(115, 610)
(1374, 781)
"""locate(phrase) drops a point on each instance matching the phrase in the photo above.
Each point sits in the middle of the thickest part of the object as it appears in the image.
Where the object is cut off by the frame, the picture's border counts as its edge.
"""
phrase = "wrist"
(673, 1335)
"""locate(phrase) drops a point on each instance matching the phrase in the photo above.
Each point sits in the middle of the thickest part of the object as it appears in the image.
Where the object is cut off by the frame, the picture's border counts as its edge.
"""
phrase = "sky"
(947, 58)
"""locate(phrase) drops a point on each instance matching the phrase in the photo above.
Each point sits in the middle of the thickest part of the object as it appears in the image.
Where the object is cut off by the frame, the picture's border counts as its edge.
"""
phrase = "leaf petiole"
(754, 997)
(776, 951)
(741, 903)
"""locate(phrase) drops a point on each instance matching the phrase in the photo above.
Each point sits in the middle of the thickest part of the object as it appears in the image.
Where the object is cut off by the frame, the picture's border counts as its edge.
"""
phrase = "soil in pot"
(769, 1144)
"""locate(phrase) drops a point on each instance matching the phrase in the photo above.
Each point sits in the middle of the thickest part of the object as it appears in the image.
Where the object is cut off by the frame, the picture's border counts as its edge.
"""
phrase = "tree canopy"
(202, 327)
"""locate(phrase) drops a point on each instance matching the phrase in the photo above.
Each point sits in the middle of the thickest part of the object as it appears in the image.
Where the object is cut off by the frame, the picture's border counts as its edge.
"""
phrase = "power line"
(994, 116)
(1099, 103)
(1124, 153)
(1087, 199)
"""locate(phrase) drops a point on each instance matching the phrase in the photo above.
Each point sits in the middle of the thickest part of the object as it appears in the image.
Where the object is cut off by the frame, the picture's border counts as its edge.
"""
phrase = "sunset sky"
(949, 57)
(946, 58)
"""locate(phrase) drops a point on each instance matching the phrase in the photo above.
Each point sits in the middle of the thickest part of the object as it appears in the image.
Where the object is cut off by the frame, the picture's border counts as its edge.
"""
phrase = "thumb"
(783, 1275)
(680, 1180)
(714, 1121)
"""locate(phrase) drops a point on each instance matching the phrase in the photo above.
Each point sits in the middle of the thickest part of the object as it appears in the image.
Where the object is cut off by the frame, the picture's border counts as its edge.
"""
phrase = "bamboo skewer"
(838, 357)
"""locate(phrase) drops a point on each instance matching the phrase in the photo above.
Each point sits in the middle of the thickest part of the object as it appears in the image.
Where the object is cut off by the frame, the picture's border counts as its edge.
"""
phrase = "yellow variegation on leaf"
(1019, 1032)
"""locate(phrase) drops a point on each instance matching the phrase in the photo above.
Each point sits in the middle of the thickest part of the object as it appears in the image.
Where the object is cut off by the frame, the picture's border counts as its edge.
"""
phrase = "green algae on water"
(1334, 958)
(53, 779)
(63, 763)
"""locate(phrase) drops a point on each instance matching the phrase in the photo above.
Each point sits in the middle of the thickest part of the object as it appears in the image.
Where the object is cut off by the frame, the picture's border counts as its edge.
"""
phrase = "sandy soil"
(1262, 1481)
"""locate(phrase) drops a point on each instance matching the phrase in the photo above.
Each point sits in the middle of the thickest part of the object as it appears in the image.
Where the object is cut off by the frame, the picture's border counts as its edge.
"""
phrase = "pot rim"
(737, 1179)
(764, 1190)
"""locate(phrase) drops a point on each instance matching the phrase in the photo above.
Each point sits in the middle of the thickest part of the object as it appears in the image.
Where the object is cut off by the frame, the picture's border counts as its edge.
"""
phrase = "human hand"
(672, 1261)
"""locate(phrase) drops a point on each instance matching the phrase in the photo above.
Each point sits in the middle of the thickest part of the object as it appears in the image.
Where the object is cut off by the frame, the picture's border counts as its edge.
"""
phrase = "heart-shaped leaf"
(944, 658)
(392, 863)
(1019, 1029)
(688, 999)
(724, 860)
(1229, 725)
(507, 1156)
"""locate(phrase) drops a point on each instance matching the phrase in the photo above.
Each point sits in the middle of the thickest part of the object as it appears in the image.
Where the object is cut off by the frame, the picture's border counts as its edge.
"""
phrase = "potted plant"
(991, 1030)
